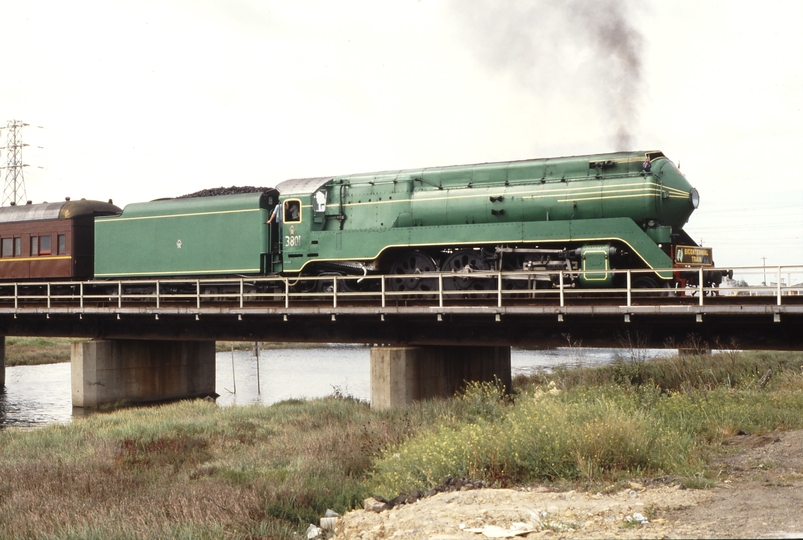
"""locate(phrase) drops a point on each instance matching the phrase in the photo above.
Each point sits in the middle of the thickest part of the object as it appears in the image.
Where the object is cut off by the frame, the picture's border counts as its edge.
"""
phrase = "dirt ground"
(758, 494)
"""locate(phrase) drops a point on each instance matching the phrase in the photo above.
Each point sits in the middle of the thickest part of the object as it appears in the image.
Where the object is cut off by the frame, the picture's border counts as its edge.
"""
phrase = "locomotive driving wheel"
(407, 270)
(462, 264)
(648, 286)
(644, 282)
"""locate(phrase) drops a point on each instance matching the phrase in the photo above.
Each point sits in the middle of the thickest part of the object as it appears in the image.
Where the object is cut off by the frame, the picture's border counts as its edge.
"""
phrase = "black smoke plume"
(568, 46)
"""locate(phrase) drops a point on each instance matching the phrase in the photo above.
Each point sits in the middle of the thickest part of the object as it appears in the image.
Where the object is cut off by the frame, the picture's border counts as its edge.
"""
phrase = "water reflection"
(38, 395)
(292, 373)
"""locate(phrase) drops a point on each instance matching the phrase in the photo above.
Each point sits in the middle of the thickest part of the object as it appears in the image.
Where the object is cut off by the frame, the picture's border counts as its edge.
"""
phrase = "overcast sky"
(137, 100)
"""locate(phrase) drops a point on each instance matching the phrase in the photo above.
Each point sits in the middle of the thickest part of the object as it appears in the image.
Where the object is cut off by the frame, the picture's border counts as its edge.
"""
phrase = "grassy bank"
(195, 470)
(223, 346)
(29, 351)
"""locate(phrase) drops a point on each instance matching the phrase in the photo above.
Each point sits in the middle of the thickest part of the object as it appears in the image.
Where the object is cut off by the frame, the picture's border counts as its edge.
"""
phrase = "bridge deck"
(274, 309)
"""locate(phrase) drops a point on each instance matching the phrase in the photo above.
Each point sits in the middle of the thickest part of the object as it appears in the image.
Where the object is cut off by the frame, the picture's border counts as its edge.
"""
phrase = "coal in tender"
(233, 190)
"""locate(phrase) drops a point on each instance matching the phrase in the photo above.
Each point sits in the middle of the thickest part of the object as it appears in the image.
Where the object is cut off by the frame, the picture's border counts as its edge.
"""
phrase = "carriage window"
(7, 247)
(44, 245)
(17, 246)
(62, 247)
(292, 211)
(34, 245)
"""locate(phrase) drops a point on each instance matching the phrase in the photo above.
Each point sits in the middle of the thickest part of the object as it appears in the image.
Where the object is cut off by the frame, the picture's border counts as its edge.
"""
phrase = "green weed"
(196, 470)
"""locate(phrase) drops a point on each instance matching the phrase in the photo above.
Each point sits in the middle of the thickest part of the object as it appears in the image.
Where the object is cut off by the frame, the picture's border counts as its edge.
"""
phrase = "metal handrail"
(245, 291)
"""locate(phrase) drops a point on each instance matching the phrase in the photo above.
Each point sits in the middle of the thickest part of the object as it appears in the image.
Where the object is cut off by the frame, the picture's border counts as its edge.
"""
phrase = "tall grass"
(684, 372)
(196, 470)
(191, 470)
(598, 423)
(26, 351)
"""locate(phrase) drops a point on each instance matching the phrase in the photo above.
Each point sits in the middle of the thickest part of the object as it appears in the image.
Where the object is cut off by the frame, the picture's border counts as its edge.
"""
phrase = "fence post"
(701, 284)
(499, 290)
(779, 286)
(629, 289)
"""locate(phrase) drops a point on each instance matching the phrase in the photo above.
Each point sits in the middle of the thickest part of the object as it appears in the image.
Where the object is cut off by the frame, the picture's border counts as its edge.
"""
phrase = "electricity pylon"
(14, 188)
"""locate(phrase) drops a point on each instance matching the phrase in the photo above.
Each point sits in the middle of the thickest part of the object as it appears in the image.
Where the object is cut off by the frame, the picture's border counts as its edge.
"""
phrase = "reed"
(197, 470)
(191, 469)
(683, 372)
(590, 424)
(29, 351)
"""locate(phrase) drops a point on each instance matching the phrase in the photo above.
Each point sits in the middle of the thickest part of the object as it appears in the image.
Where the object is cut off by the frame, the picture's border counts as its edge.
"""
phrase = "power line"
(14, 188)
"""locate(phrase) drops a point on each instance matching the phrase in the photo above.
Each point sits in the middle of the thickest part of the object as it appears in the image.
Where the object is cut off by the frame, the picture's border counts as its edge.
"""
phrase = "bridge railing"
(437, 289)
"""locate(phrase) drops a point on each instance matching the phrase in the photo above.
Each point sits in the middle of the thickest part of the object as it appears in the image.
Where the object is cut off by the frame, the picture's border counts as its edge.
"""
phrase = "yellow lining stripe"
(417, 246)
(43, 258)
(595, 194)
(117, 219)
(609, 198)
(648, 189)
(186, 272)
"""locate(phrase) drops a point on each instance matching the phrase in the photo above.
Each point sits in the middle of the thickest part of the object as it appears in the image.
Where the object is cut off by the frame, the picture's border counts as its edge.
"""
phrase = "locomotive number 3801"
(292, 240)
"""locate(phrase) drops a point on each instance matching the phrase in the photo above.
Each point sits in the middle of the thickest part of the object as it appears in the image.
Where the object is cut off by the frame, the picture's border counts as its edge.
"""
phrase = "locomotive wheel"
(463, 264)
(407, 270)
(328, 285)
(510, 284)
(304, 286)
(644, 282)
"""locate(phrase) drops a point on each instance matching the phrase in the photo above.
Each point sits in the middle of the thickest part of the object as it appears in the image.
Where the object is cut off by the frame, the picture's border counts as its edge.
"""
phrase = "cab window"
(292, 211)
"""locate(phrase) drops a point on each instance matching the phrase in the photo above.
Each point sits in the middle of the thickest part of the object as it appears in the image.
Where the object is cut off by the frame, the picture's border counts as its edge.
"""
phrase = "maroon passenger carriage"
(49, 240)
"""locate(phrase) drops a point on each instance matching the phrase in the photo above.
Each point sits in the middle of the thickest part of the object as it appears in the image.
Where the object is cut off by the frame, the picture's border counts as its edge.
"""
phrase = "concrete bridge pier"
(401, 375)
(140, 371)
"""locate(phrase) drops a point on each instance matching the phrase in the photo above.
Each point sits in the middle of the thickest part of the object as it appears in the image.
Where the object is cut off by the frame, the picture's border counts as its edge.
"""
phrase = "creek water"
(41, 395)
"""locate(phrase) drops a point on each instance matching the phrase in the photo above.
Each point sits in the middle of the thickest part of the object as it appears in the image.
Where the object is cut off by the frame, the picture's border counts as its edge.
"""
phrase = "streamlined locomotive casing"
(562, 203)
(49, 240)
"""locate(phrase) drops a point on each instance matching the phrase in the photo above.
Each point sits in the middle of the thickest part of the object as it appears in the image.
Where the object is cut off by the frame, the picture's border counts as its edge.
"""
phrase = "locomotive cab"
(304, 206)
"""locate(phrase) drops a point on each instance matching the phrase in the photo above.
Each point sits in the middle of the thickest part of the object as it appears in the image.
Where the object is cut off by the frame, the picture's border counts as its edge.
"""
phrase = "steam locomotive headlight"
(694, 197)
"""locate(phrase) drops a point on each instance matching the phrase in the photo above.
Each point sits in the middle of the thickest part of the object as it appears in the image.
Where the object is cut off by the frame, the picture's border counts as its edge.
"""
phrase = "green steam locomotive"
(542, 216)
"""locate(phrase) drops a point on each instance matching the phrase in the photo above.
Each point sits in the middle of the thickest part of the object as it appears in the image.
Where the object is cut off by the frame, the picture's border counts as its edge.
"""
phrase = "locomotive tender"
(591, 213)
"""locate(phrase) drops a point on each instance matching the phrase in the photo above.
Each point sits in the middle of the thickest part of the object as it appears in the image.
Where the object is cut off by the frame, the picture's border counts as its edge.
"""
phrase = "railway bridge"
(153, 340)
